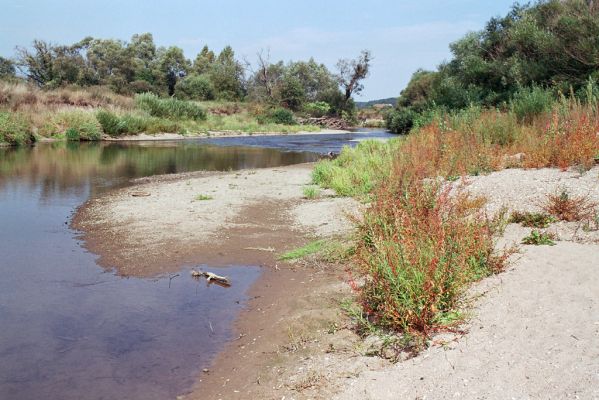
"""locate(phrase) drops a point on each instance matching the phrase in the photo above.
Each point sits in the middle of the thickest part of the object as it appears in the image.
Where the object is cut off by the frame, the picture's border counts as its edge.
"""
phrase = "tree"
(266, 78)
(194, 87)
(351, 73)
(36, 65)
(173, 66)
(418, 93)
(292, 92)
(226, 74)
(203, 61)
(7, 68)
(142, 50)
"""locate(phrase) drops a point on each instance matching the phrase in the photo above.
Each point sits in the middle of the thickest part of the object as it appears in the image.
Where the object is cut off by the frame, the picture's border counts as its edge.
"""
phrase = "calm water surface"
(70, 329)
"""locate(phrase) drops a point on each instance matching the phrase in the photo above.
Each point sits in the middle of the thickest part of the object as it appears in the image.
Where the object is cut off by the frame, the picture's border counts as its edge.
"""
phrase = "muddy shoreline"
(293, 341)
(254, 216)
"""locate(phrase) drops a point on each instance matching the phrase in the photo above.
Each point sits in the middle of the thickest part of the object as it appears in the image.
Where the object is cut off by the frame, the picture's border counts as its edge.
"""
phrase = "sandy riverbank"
(534, 332)
(219, 134)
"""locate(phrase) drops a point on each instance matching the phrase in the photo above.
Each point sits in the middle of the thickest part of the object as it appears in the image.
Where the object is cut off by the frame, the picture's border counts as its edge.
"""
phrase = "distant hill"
(366, 104)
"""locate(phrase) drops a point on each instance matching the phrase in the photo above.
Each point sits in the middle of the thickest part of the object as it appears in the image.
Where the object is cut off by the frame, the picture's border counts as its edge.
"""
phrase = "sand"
(533, 331)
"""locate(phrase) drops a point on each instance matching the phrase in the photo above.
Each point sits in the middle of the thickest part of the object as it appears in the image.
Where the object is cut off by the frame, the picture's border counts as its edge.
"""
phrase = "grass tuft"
(203, 197)
(538, 238)
(304, 251)
(311, 192)
(532, 220)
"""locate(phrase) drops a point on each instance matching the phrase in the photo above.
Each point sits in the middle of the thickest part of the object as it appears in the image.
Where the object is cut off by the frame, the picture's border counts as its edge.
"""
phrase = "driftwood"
(211, 277)
(140, 194)
(326, 122)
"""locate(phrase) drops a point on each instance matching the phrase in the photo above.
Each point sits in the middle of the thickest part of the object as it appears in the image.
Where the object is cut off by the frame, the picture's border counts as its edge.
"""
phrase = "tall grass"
(357, 170)
(80, 123)
(15, 129)
(169, 108)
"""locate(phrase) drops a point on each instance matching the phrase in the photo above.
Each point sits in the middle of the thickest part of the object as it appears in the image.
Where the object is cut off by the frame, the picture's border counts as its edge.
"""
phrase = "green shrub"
(110, 122)
(72, 134)
(194, 87)
(318, 109)
(140, 86)
(169, 108)
(75, 124)
(281, 116)
(134, 124)
(15, 129)
(401, 120)
(527, 103)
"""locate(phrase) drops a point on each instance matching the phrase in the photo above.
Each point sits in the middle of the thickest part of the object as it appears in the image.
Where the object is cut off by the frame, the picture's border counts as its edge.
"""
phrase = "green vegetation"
(14, 129)
(194, 87)
(532, 220)
(538, 238)
(311, 192)
(169, 108)
(203, 197)
(522, 62)
(357, 170)
(330, 250)
(134, 87)
(419, 248)
(304, 251)
(74, 124)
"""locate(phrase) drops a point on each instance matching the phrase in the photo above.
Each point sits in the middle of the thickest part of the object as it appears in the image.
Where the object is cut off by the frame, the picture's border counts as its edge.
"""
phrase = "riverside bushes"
(419, 247)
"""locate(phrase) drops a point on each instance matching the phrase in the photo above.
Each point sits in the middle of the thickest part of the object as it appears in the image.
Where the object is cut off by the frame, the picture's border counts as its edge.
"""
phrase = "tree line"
(534, 52)
(139, 66)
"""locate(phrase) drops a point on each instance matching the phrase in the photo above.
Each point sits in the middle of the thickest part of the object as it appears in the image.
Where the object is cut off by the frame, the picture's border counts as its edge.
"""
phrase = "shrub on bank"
(531, 102)
(15, 129)
(75, 124)
(420, 249)
(169, 108)
(194, 87)
(317, 109)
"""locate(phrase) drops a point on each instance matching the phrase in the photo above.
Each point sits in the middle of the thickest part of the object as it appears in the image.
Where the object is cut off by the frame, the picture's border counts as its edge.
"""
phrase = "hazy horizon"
(403, 36)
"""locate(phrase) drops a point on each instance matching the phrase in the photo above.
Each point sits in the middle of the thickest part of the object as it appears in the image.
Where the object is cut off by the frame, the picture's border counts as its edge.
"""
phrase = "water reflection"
(59, 168)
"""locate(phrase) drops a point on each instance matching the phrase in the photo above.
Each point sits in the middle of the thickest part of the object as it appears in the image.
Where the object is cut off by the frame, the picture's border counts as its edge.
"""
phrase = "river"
(71, 329)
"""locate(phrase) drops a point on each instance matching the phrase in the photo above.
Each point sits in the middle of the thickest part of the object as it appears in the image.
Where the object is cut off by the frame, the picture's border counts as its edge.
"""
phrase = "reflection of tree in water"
(74, 168)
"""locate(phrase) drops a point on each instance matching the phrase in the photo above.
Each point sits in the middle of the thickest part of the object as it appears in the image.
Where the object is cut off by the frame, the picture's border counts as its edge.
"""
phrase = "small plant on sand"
(311, 192)
(203, 197)
(304, 251)
(329, 251)
(532, 220)
(570, 208)
(538, 238)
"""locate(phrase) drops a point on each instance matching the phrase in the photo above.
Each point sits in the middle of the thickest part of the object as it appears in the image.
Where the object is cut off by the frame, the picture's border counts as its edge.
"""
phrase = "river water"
(70, 329)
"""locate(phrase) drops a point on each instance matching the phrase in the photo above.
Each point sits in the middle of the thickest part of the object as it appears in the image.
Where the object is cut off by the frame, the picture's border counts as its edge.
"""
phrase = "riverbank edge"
(144, 137)
(281, 289)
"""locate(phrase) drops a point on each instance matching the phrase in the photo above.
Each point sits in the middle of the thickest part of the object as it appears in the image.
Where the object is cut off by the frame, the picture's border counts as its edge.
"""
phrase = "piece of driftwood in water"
(211, 277)
(140, 194)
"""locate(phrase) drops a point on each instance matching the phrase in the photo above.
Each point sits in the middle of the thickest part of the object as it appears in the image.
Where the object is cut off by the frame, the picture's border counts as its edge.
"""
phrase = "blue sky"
(403, 35)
